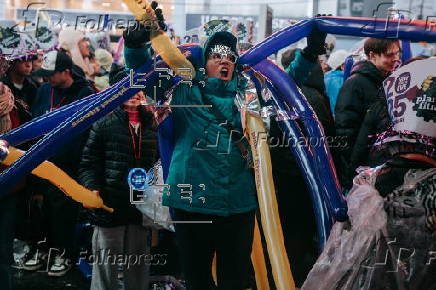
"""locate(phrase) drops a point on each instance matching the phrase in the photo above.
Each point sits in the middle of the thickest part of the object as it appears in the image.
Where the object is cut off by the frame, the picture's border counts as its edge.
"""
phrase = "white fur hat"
(337, 58)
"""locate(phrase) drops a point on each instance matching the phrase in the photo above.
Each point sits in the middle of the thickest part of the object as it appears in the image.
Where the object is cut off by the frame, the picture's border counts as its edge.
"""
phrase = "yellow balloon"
(268, 203)
(214, 275)
(258, 260)
(60, 179)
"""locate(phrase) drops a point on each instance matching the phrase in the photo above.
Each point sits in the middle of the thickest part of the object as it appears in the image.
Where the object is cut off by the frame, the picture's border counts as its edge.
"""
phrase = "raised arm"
(304, 62)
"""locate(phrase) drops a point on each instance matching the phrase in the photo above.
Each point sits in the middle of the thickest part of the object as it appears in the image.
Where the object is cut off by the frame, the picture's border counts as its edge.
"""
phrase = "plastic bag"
(154, 213)
(350, 241)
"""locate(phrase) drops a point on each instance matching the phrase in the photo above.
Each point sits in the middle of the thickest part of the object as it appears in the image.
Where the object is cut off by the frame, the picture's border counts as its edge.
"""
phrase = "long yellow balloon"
(258, 260)
(60, 179)
(268, 202)
(160, 42)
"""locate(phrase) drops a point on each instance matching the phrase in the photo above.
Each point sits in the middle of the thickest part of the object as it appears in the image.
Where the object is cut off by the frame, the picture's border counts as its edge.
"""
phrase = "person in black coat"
(359, 92)
(293, 197)
(121, 141)
(375, 122)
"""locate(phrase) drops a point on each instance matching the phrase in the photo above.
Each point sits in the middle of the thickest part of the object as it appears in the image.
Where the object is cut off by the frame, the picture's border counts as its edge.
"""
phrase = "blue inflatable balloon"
(322, 161)
(316, 160)
(277, 41)
(407, 29)
(406, 51)
(100, 106)
(304, 158)
(47, 122)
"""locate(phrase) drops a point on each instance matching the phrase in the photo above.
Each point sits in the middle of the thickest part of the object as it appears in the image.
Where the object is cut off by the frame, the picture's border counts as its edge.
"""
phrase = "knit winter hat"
(337, 58)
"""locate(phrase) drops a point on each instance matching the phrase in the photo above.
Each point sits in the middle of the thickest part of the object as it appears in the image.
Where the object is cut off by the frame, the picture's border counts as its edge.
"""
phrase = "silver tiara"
(221, 49)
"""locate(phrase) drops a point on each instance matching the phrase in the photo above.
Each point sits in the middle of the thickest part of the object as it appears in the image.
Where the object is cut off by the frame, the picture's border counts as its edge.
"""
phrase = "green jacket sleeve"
(300, 68)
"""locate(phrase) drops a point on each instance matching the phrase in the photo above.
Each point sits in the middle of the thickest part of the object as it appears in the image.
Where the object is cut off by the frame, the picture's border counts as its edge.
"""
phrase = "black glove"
(315, 44)
(136, 36)
(159, 16)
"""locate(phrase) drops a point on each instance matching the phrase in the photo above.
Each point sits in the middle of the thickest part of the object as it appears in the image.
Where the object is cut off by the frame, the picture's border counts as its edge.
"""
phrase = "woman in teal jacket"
(212, 187)
(209, 179)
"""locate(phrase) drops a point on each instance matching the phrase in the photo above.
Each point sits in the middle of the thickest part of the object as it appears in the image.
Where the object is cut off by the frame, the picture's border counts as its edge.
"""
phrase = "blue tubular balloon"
(47, 122)
(304, 159)
(74, 125)
(406, 51)
(322, 160)
(407, 29)
(276, 41)
(349, 62)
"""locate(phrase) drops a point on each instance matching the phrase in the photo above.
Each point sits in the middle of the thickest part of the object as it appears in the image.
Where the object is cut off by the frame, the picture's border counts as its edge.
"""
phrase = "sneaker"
(36, 261)
(60, 266)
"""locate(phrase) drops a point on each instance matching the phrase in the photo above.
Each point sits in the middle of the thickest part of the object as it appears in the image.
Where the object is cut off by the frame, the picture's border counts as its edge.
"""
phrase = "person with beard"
(121, 141)
(63, 87)
(358, 92)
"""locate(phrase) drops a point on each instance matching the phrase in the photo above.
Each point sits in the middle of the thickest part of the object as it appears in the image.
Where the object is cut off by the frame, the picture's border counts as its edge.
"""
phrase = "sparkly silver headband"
(221, 49)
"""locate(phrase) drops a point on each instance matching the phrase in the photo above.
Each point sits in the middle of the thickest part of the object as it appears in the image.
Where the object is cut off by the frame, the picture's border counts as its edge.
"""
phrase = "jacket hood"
(221, 37)
(69, 40)
(224, 38)
(368, 69)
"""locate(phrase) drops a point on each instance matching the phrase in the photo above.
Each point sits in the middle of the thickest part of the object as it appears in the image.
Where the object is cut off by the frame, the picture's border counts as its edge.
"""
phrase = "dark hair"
(288, 56)
(378, 45)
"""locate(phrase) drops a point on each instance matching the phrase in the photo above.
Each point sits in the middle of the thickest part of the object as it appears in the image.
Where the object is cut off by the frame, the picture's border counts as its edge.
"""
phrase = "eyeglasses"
(393, 54)
(216, 56)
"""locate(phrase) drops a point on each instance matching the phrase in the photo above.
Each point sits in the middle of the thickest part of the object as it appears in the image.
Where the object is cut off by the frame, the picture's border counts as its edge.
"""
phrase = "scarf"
(6, 106)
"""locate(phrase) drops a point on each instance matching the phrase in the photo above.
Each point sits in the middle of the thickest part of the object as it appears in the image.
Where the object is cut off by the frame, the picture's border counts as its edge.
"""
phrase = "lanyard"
(52, 107)
(136, 149)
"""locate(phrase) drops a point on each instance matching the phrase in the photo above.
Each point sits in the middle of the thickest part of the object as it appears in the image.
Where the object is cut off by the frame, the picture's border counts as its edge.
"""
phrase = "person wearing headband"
(217, 207)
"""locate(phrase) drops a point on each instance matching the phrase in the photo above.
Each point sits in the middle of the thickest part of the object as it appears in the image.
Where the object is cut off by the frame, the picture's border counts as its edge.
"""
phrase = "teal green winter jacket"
(207, 173)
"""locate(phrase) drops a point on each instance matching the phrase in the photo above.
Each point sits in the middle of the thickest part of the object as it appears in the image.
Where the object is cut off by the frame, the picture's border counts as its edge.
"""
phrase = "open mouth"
(224, 72)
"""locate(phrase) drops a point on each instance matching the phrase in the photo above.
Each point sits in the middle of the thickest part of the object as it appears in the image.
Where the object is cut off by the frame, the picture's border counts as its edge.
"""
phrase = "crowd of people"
(356, 109)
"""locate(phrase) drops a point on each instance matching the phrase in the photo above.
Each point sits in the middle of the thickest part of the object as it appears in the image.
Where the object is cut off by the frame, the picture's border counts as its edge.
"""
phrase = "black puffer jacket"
(357, 94)
(359, 91)
(107, 158)
(314, 91)
(375, 122)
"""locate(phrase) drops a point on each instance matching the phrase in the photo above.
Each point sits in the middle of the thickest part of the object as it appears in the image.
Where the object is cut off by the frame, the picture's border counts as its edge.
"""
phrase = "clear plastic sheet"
(154, 214)
(388, 243)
